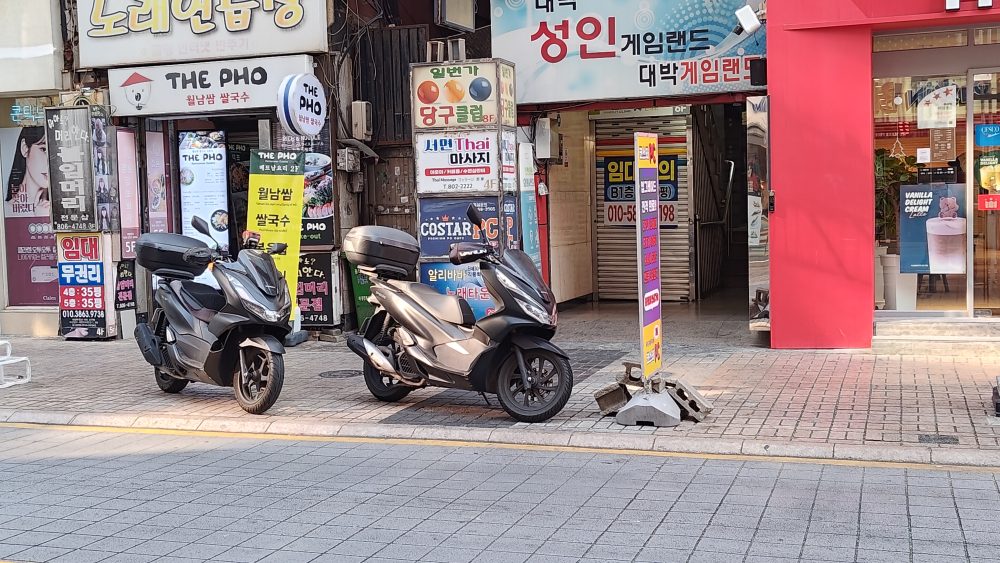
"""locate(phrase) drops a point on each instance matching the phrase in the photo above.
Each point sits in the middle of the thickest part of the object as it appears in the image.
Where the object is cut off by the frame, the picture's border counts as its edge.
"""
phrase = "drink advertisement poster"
(85, 311)
(315, 289)
(933, 228)
(443, 222)
(529, 203)
(71, 169)
(275, 209)
(28, 237)
(457, 162)
(204, 191)
(466, 94)
(465, 281)
(619, 190)
(620, 49)
(647, 190)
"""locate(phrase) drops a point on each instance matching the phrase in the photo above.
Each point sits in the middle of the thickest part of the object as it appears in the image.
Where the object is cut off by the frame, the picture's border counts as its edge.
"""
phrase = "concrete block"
(611, 397)
(632, 374)
(654, 409)
(694, 404)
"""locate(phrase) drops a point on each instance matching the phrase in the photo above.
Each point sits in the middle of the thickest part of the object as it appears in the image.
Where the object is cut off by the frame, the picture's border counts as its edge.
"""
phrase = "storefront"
(30, 80)
(193, 94)
(883, 166)
(587, 81)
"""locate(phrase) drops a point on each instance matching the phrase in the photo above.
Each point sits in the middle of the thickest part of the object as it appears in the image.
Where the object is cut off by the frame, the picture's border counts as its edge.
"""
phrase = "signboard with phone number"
(619, 190)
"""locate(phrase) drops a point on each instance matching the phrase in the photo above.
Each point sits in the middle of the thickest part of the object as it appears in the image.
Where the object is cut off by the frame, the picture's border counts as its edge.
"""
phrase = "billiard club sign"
(471, 94)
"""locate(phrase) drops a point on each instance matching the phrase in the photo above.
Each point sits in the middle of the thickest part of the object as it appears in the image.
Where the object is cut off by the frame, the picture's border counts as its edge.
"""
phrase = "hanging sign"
(275, 208)
(302, 105)
(201, 86)
(529, 204)
(315, 289)
(647, 198)
(125, 286)
(457, 162)
(71, 169)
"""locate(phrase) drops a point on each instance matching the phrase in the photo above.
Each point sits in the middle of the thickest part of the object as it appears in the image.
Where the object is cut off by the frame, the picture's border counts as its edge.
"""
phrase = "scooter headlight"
(254, 306)
(527, 302)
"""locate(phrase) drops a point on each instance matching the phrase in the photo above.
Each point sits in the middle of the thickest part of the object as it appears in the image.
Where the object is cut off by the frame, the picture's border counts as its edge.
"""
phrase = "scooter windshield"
(521, 266)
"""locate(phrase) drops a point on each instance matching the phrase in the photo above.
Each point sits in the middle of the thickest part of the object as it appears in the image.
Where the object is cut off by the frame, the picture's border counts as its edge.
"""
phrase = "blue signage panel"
(465, 281)
(443, 222)
(988, 135)
(81, 273)
(932, 229)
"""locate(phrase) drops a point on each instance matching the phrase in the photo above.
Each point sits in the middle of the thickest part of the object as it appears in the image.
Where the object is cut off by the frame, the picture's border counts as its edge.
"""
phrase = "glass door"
(984, 175)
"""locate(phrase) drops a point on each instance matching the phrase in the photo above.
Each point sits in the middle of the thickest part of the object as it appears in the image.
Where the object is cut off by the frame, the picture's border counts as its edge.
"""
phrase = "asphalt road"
(88, 495)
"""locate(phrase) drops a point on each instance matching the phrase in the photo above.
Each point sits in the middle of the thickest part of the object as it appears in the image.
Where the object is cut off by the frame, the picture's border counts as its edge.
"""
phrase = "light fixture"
(749, 22)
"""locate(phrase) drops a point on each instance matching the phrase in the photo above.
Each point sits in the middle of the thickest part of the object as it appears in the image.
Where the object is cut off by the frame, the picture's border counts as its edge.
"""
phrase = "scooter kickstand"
(485, 399)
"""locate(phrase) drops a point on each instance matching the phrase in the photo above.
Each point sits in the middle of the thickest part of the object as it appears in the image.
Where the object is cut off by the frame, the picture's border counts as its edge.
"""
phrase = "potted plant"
(891, 172)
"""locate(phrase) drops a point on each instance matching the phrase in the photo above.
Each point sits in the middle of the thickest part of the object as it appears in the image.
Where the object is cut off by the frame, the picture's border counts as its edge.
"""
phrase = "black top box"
(163, 254)
(386, 250)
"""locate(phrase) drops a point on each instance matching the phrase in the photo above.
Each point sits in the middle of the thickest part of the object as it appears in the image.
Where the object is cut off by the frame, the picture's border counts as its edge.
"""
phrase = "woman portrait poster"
(30, 243)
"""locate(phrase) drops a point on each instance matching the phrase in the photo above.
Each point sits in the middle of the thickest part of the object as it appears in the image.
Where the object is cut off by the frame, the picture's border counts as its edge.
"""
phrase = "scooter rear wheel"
(258, 389)
(384, 387)
(551, 385)
(169, 384)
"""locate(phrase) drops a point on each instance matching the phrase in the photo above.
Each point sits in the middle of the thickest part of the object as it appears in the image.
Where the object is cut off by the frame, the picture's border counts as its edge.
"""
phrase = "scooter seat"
(448, 308)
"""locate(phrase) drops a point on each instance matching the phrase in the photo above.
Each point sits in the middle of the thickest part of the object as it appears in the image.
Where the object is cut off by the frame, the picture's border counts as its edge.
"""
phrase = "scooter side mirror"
(277, 248)
(467, 252)
(473, 214)
(201, 226)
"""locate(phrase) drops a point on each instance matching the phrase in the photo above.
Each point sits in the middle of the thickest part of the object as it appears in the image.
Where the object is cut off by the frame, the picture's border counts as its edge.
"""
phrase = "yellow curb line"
(498, 445)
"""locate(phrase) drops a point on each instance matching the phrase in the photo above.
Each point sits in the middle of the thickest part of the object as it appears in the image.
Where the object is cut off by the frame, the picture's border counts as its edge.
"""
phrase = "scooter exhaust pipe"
(371, 354)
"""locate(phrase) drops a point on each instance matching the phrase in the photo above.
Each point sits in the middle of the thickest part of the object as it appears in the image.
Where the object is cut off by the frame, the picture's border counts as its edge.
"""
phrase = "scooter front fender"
(530, 342)
(264, 342)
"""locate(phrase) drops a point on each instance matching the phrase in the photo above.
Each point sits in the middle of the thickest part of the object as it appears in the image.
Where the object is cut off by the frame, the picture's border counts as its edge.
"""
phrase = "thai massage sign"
(205, 86)
(122, 32)
(457, 162)
(567, 50)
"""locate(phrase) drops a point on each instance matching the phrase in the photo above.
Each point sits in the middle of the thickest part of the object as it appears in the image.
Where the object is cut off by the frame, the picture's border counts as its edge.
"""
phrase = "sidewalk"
(849, 405)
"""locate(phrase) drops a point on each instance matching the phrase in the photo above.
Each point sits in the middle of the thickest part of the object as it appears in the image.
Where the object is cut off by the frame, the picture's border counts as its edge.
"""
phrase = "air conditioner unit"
(436, 52)
(361, 120)
(456, 49)
(548, 143)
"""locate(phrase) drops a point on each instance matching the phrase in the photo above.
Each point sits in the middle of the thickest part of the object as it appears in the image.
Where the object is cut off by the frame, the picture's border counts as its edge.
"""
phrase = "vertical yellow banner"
(274, 209)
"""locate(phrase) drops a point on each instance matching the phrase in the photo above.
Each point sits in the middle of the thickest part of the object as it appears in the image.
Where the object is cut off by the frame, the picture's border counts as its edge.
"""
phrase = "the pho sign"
(302, 105)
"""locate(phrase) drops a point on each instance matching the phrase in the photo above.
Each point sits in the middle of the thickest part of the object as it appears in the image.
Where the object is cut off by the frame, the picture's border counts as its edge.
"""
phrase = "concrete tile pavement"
(839, 404)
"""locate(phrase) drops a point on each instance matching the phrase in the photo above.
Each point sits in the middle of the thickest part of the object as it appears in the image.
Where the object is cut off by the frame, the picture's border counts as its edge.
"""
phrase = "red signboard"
(988, 202)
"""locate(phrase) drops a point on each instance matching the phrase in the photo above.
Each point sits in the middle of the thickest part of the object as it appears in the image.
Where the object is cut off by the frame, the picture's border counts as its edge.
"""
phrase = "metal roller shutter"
(616, 244)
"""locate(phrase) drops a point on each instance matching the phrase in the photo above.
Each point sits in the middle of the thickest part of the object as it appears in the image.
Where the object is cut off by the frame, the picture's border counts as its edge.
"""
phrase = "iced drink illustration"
(946, 245)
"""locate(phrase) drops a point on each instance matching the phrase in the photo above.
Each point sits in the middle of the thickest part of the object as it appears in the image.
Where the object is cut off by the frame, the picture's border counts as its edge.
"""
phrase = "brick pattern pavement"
(824, 399)
(88, 497)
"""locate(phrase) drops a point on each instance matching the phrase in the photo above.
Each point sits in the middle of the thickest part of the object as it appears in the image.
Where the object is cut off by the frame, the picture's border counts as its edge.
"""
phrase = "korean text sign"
(933, 229)
(461, 95)
(316, 288)
(465, 281)
(443, 222)
(457, 162)
(83, 301)
(619, 190)
(647, 201)
(275, 208)
(71, 169)
(529, 203)
(568, 50)
(124, 32)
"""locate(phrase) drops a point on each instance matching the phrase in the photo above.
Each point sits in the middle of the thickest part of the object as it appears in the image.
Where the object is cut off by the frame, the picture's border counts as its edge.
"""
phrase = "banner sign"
(466, 94)
(122, 32)
(619, 190)
(203, 188)
(465, 281)
(569, 51)
(275, 210)
(647, 191)
(202, 86)
(103, 141)
(443, 222)
(318, 207)
(457, 162)
(529, 203)
(933, 227)
(125, 286)
(315, 289)
(511, 220)
(71, 169)
(128, 191)
(160, 202)
(28, 237)
(84, 310)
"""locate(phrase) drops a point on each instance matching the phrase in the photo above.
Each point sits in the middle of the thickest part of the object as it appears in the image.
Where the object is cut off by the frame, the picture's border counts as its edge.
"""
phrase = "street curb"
(592, 440)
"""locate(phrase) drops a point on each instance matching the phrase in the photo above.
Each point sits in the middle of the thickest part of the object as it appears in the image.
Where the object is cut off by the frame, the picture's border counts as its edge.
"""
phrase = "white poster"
(127, 32)
(203, 188)
(508, 161)
(202, 86)
(450, 162)
(939, 109)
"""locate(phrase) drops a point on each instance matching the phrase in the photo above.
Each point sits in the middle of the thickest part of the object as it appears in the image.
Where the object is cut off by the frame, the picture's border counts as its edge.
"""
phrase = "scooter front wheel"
(258, 387)
(550, 382)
